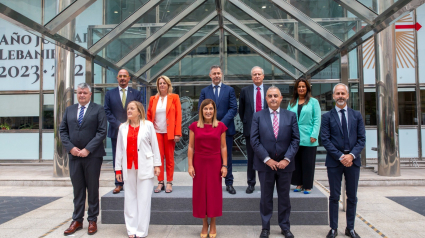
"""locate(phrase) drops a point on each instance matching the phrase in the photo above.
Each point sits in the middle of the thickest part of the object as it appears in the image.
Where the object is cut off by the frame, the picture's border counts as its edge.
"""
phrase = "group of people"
(281, 146)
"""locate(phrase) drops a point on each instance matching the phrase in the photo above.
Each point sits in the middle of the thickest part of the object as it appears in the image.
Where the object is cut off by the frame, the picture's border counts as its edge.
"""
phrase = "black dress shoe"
(287, 234)
(332, 233)
(250, 189)
(264, 234)
(351, 233)
(230, 189)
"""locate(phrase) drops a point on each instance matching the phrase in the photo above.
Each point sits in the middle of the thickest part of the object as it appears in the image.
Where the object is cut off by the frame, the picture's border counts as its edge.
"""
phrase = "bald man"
(116, 101)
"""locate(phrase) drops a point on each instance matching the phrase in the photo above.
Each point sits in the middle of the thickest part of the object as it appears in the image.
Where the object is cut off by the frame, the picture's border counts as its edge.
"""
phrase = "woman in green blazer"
(309, 115)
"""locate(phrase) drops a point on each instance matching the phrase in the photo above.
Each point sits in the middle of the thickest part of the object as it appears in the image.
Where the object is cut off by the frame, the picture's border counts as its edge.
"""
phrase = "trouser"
(283, 184)
(85, 173)
(352, 175)
(305, 163)
(137, 204)
(250, 172)
(229, 144)
(166, 148)
(114, 149)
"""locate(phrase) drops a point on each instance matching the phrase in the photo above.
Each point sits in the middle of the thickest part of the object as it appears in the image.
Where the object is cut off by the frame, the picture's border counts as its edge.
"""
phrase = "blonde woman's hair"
(140, 109)
(167, 80)
(205, 103)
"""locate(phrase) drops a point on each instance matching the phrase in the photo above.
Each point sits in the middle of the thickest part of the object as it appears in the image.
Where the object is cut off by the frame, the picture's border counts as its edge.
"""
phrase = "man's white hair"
(346, 87)
(257, 67)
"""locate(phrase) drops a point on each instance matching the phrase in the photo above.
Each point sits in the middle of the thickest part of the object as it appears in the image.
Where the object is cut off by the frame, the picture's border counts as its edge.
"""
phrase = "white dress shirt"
(126, 92)
(160, 116)
(278, 120)
(85, 109)
(340, 118)
(219, 87)
(262, 96)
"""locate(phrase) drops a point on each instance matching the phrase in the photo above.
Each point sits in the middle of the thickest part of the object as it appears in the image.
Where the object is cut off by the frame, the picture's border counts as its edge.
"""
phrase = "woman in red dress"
(207, 157)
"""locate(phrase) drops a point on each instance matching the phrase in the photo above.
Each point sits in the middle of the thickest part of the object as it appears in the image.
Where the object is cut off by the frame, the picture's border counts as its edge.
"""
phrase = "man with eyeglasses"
(275, 139)
(251, 100)
(116, 101)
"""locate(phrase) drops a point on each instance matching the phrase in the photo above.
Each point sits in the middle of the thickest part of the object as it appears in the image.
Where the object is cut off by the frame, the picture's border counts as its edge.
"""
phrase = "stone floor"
(375, 207)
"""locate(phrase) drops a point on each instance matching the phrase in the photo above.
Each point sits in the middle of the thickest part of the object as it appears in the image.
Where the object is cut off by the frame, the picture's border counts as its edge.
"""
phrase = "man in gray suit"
(82, 132)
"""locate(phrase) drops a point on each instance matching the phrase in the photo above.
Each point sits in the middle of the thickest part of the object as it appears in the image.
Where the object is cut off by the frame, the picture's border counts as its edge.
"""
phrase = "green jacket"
(309, 121)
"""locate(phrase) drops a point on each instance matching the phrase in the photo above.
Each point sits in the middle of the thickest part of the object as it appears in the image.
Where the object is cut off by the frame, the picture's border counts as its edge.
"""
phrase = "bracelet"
(225, 166)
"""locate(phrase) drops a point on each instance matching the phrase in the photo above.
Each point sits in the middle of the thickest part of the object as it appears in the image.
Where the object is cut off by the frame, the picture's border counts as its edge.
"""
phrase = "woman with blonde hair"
(166, 115)
(137, 162)
(207, 157)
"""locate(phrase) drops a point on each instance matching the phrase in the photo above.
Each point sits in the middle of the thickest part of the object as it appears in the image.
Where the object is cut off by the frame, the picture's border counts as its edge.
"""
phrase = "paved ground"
(377, 206)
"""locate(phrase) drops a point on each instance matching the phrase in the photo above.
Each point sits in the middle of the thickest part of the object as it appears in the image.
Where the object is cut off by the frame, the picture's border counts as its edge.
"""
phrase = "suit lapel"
(141, 131)
(336, 117)
(268, 115)
(116, 94)
(350, 119)
(220, 95)
(154, 103)
(169, 101)
(210, 92)
(89, 109)
(74, 111)
(281, 120)
(125, 134)
(251, 97)
(129, 95)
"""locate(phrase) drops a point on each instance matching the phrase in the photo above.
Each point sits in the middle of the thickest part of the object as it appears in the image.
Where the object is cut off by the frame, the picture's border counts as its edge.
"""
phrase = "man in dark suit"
(275, 140)
(116, 101)
(225, 99)
(251, 100)
(343, 136)
(82, 132)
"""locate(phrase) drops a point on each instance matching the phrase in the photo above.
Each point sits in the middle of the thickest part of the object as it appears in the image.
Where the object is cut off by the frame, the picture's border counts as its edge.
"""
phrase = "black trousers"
(352, 175)
(85, 173)
(114, 150)
(305, 163)
(229, 177)
(250, 172)
(283, 184)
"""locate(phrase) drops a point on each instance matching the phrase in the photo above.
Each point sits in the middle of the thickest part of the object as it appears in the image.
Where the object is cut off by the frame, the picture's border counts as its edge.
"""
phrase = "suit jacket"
(227, 107)
(173, 112)
(246, 106)
(148, 154)
(309, 121)
(89, 135)
(332, 136)
(114, 110)
(265, 144)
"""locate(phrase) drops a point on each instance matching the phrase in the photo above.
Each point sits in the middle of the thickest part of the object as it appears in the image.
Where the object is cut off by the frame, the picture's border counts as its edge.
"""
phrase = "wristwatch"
(225, 166)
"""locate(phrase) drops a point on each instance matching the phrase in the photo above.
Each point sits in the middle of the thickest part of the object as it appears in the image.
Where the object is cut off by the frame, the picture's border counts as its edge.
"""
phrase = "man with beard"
(343, 136)
(116, 101)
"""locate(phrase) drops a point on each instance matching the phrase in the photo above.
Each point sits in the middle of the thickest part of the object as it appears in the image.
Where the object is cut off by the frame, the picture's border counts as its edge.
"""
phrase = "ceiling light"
(115, 11)
(263, 7)
(168, 11)
(206, 10)
(187, 91)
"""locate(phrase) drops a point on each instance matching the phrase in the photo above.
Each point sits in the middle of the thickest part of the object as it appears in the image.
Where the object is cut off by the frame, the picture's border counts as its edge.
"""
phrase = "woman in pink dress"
(207, 157)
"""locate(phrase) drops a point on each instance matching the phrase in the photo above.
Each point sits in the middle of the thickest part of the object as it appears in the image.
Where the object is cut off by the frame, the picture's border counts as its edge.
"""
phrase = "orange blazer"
(174, 114)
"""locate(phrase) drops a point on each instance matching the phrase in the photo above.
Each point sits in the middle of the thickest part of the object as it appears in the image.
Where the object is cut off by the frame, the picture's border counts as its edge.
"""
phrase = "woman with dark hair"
(309, 115)
(207, 155)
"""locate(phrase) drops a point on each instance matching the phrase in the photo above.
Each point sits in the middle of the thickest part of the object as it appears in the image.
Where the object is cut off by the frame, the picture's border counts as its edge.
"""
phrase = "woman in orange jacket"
(166, 115)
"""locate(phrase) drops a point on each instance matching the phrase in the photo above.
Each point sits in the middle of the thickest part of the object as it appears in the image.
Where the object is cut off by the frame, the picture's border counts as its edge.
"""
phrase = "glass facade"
(182, 39)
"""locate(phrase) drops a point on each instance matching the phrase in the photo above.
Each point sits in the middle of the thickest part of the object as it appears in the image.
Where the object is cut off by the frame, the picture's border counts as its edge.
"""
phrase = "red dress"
(207, 193)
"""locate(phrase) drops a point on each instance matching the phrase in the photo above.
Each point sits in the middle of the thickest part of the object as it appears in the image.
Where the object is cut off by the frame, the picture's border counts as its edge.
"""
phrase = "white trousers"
(137, 204)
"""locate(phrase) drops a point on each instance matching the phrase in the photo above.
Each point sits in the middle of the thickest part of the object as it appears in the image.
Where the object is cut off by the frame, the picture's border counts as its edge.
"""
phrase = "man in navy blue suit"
(275, 139)
(343, 136)
(116, 101)
(252, 99)
(225, 99)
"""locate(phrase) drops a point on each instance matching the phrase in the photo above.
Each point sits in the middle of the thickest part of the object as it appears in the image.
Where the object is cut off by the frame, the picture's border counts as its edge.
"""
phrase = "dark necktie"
(258, 100)
(81, 115)
(216, 93)
(344, 130)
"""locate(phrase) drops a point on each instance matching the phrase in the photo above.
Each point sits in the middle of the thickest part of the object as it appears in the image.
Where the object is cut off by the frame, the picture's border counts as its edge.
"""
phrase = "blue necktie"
(81, 115)
(345, 131)
(216, 93)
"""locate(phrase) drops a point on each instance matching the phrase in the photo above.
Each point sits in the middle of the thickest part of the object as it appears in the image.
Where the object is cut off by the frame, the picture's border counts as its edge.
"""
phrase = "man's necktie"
(258, 100)
(124, 98)
(81, 115)
(216, 93)
(275, 124)
(345, 130)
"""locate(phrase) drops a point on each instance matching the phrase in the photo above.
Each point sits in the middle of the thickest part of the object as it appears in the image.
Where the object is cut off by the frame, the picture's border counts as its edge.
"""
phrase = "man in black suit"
(116, 101)
(82, 132)
(275, 140)
(343, 136)
(251, 100)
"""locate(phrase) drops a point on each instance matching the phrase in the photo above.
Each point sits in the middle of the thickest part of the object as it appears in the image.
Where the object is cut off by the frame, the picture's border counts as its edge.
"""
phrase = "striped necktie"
(124, 98)
(275, 124)
(81, 115)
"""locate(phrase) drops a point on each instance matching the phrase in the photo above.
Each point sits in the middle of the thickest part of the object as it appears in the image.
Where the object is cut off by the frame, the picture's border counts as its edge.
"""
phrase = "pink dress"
(207, 193)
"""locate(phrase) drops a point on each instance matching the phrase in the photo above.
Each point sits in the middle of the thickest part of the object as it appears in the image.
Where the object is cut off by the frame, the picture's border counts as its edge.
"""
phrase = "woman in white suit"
(137, 162)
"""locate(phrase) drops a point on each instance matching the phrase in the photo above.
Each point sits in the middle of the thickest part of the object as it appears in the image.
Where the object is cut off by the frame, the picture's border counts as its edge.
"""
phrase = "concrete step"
(240, 209)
